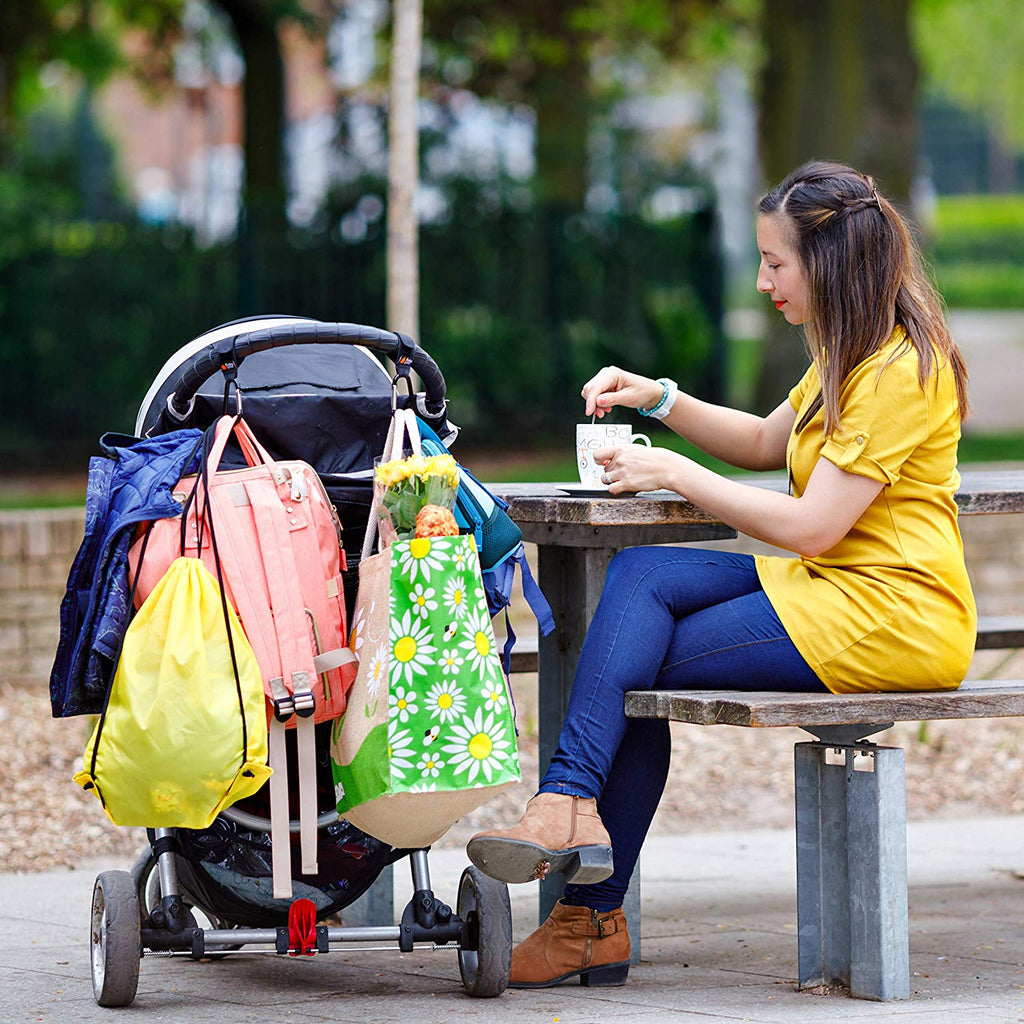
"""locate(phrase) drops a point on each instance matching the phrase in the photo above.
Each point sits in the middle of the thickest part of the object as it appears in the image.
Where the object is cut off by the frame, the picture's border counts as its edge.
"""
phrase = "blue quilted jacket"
(130, 484)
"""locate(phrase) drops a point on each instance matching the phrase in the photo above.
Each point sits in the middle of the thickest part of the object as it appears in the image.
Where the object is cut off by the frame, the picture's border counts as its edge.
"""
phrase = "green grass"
(974, 250)
(18, 500)
(979, 216)
(992, 448)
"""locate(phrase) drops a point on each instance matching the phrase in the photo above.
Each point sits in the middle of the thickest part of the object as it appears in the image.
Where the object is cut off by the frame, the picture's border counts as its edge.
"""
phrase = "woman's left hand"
(635, 467)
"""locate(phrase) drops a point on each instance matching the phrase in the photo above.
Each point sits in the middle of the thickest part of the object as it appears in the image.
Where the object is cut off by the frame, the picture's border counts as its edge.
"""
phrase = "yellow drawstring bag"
(184, 732)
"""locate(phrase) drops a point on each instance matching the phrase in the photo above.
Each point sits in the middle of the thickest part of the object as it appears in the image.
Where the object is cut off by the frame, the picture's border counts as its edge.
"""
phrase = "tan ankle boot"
(558, 832)
(573, 941)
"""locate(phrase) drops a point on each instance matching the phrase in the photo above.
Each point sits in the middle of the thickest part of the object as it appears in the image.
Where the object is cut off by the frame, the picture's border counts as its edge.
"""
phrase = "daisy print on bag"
(493, 694)
(450, 661)
(363, 615)
(375, 676)
(423, 601)
(430, 765)
(412, 649)
(479, 746)
(402, 704)
(446, 701)
(455, 597)
(479, 642)
(461, 557)
(422, 557)
(400, 752)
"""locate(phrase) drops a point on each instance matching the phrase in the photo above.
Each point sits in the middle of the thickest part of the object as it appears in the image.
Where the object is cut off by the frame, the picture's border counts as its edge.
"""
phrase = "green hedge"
(975, 250)
(517, 308)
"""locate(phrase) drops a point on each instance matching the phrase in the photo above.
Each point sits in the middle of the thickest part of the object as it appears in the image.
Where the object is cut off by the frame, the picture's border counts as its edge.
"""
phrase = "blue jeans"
(668, 619)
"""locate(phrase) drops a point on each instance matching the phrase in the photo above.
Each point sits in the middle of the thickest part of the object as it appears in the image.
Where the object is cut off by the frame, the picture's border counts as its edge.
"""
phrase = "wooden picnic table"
(577, 538)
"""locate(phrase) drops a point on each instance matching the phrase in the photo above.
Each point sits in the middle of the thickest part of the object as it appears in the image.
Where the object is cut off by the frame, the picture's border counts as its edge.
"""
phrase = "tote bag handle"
(403, 425)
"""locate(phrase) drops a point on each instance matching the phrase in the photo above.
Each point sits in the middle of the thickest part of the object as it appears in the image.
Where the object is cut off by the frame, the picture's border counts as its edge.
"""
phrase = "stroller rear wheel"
(115, 939)
(484, 906)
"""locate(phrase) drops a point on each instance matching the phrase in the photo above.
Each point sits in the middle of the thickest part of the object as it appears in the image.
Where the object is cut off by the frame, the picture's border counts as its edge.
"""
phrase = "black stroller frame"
(151, 910)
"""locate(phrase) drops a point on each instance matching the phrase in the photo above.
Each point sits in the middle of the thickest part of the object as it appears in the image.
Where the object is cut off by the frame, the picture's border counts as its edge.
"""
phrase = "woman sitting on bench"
(878, 598)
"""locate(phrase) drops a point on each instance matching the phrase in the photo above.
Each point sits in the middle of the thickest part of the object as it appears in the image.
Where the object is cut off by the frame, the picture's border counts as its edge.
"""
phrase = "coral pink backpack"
(279, 544)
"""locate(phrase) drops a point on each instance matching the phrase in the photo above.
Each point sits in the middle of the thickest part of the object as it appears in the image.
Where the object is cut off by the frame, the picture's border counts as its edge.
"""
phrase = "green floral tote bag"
(428, 734)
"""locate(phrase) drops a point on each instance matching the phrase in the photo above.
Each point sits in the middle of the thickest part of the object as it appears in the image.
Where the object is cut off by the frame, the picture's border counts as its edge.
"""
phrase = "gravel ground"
(720, 778)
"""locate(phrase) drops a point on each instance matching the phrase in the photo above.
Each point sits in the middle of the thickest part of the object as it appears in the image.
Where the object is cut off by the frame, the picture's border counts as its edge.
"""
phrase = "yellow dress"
(890, 606)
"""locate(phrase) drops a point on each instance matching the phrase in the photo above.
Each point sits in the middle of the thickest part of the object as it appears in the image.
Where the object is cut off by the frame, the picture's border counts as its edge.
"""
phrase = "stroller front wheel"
(484, 906)
(115, 939)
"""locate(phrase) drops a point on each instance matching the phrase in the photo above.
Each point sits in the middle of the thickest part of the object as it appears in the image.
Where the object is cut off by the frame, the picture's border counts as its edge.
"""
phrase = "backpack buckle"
(282, 701)
(303, 701)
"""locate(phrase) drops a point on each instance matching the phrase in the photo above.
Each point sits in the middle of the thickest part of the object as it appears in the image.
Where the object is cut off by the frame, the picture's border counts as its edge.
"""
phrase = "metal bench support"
(851, 853)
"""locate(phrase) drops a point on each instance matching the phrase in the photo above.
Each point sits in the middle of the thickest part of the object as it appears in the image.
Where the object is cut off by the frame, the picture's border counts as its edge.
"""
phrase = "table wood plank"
(981, 492)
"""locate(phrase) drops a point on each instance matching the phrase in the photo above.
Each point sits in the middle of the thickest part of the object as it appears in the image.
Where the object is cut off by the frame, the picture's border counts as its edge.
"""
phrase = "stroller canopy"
(328, 404)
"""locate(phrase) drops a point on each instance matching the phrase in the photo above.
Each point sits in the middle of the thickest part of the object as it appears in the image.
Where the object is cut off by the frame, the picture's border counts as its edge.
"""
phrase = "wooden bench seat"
(990, 698)
(852, 907)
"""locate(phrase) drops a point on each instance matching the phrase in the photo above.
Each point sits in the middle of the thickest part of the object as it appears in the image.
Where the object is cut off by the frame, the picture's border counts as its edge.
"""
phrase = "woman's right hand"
(611, 386)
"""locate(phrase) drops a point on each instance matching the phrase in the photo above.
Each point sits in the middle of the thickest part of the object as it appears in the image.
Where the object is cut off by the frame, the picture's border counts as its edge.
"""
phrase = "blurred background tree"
(588, 175)
(839, 80)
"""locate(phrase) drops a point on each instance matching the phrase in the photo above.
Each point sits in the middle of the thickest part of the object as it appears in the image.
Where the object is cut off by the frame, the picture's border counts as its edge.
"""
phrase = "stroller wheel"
(484, 906)
(115, 939)
(146, 878)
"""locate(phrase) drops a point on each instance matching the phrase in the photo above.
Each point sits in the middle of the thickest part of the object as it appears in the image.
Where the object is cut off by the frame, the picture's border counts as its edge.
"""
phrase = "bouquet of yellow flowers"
(404, 486)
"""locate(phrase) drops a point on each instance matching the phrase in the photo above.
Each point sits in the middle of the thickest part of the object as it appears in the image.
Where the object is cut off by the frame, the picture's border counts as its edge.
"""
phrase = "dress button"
(860, 440)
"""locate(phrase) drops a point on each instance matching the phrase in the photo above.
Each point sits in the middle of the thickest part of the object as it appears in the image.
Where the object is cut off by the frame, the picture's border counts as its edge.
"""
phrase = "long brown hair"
(864, 277)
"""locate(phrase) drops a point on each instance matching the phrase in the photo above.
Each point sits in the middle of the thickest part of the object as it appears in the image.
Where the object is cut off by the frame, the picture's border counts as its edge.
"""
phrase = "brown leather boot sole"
(514, 860)
(607, 975)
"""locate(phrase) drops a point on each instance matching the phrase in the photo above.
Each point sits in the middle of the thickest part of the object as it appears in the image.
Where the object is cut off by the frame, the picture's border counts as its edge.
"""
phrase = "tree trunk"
(839, 83)
(403, 169)
(264, 192)
(561, 94)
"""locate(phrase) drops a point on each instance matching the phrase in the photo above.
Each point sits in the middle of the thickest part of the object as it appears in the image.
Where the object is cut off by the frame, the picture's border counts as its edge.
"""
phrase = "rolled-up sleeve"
(882, 420)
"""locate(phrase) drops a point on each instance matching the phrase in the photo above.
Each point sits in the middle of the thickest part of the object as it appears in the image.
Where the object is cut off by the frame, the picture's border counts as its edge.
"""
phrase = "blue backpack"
(500, 543)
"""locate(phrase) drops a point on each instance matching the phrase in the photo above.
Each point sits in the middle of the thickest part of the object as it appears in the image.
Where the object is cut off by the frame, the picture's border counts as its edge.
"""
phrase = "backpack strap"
(296, 657)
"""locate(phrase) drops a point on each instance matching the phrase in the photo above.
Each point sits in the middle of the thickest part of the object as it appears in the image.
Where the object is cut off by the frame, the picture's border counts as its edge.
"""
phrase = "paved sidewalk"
(719, 944)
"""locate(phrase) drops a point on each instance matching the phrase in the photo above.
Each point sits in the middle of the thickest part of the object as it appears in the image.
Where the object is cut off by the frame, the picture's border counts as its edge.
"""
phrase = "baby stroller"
(310, 391)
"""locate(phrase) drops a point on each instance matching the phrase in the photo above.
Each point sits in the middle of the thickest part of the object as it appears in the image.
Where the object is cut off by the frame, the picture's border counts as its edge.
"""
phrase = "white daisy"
(479, 641)
(412, 649)
(450, 661)
(430, 764)
(494, 694)
(376, 673)
(400, 752)
(423, 600)
(479, 746)
(462, 553)
(455, 602)
(445, 700)
(402, 704)
(420, 557)
(358, 634)
(423, 787)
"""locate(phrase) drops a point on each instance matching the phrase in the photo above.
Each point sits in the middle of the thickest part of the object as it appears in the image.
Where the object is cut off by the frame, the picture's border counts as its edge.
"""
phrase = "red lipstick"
(779, 305)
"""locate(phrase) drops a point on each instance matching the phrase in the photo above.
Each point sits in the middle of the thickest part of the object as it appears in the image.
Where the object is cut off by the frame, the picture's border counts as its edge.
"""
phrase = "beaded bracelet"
(668, 398)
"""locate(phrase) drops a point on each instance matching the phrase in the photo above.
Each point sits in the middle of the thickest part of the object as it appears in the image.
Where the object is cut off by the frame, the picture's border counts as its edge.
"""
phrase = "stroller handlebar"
(228, 352)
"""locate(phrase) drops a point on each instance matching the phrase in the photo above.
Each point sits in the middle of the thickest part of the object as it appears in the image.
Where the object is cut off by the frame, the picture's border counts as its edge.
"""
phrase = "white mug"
(591, 438)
